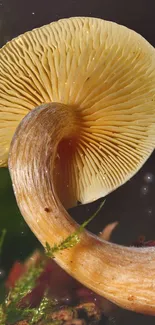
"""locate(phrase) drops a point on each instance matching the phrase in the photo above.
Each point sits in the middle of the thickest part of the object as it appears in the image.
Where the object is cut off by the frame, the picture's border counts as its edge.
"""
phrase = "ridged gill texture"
(104, 72)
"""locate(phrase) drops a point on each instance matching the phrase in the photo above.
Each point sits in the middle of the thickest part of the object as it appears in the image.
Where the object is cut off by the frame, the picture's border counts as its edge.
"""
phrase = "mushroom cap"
(103, 71)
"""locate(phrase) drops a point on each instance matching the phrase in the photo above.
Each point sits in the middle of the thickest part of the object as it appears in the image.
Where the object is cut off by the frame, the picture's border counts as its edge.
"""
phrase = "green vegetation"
(10, 310)
(2, 237)
(73, 239)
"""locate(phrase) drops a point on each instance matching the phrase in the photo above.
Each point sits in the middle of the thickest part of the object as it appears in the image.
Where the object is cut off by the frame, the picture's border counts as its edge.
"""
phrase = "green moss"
(2, 237)
(71, 240)
(2, 316)
(42, 311)
(10, 312)
(24, 285)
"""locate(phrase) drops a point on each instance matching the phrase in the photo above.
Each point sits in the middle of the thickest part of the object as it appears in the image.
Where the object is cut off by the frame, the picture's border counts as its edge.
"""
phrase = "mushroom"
(92, 86)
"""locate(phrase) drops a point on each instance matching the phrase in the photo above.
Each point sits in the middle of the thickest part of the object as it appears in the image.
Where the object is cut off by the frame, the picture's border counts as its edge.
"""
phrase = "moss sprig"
(10, 310)
(2, 237)
(71, 240)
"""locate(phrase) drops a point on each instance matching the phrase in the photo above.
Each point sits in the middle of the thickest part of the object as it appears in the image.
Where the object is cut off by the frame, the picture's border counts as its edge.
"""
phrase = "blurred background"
(133, 205)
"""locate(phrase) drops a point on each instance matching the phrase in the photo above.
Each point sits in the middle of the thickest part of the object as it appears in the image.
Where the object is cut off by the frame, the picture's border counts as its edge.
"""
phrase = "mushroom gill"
(94, 84)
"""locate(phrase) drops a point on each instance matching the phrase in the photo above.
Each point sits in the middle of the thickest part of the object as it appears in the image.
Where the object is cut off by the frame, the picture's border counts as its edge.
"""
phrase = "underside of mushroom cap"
(103, 71)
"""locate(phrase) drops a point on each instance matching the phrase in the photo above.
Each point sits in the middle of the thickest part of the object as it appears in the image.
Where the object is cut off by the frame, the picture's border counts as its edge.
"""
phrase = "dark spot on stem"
(131, 298)
(47, 209)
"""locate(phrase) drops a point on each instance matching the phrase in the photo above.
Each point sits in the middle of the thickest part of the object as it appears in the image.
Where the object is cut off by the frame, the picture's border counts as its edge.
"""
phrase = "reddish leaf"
(17, 270)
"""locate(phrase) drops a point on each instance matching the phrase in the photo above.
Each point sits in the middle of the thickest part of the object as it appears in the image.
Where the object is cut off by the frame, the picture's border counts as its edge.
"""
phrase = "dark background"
(133, 205)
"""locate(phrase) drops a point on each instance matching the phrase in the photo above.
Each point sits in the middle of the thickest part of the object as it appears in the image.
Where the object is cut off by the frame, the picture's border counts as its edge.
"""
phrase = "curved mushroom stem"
(125, 276)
